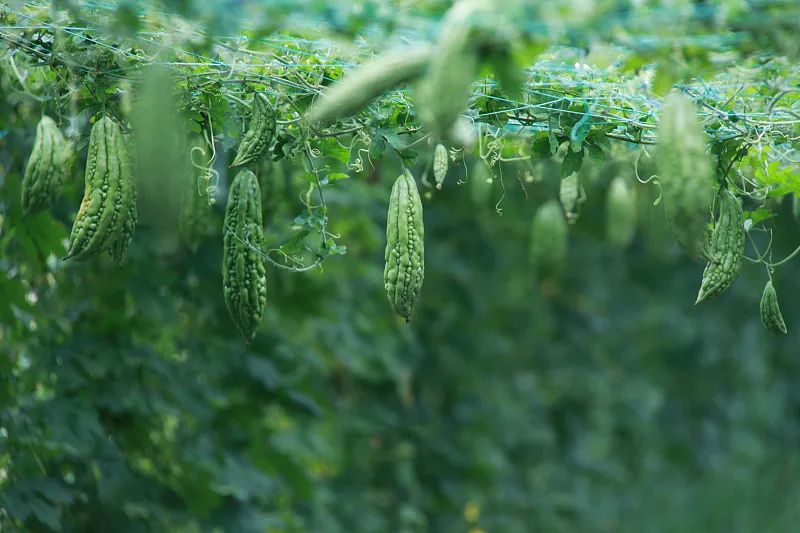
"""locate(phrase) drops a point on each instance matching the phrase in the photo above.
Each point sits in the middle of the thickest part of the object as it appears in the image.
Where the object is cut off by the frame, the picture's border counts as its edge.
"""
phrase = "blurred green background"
(600, 399)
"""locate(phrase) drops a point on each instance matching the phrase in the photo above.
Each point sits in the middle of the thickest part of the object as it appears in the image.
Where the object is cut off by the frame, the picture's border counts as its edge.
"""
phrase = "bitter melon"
(548, 240)
(439, 165)
(47, 167)
(771, 315)
(725, 248)
(685, 172)
(620, 212)
(405, 247)
(259, 133)
(109, 197)
(354, 91)
(244, 278)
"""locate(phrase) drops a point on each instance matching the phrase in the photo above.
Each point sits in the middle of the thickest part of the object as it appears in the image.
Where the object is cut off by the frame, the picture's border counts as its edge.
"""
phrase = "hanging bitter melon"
(685, 172)
(405, 247)
(107, 215)
(244, 277)
(725, 248)
(771, 315)
(47, 167)
(259, 134)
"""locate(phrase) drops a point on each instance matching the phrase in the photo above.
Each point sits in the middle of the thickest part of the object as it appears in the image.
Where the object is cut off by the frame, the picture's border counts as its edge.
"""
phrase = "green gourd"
(725, 248)
(439, 165)
(571, 195)
(107, 215)
(358, 88)
(771, 315)
(620, 212)
(259, 134)
(405, 248)
(47, 167)
(444, 92)
(195, 209)
(548, 251)
(685, 171)
(244, 276)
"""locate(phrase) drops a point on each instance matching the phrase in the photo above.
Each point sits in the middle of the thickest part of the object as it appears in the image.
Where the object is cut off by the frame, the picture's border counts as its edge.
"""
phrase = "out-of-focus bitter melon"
(548, 240)
(771, 315)
(481, 183)
(244, 278)
(195, 210)
(405, 247)
(358, 88)
(47, 167)
(444, 92)
(725, 248)
(685, 172)
(107, 215)
(620, 212)
(259, 132)
(572, 195)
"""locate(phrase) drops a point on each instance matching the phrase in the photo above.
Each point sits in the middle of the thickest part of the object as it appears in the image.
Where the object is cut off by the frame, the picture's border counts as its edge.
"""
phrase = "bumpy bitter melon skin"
(439, 165)
(548, 240)
(259, 133)
(771, 316)
(725, 248)
(47, 167)
(620, 212)
(244, 275)
(405, 247)
(357, 89)
(121, 240)
(685, 172)
(109, 199)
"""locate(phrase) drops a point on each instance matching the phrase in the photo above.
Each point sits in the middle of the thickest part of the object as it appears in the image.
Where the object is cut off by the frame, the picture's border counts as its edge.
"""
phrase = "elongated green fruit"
(47, 167)
(620, 212)
(771, 315)
(405, 247)
(725, 248)
(548, 240)
(685, 172)
(572, 195)
(445, 91)
(195, 210)
(259, 133)
(105, 209)
(244, 276)
(358, 88)
(439, 165)
(481, 182)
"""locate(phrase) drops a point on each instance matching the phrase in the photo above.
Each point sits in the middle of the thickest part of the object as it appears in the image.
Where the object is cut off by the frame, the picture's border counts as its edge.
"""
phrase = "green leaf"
(572, 163)
(540, 147)
(759, 215)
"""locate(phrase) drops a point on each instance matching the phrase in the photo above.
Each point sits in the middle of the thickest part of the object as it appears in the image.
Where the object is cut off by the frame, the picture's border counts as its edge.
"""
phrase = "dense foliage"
(559, 383)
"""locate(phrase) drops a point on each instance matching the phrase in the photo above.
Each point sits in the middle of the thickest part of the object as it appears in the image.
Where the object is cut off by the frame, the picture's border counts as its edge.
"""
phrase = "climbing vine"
(493, 86)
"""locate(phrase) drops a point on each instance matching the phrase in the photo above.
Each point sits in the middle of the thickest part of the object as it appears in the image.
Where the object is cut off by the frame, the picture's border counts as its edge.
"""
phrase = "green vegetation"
(224, 357)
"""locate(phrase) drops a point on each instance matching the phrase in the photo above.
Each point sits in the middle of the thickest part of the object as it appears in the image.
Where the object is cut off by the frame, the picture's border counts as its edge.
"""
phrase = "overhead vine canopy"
(587, 76)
